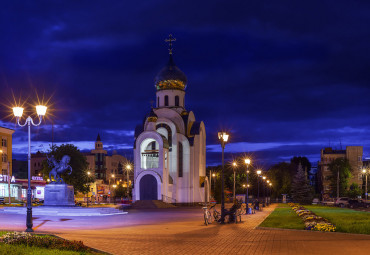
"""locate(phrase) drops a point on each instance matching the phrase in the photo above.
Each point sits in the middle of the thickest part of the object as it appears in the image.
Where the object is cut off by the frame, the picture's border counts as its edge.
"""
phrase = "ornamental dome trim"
(170, 77)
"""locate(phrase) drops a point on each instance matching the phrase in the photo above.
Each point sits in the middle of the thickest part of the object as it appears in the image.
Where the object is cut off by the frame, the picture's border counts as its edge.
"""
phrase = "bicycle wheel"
(209, 217)
(216, 215)
(227, 218)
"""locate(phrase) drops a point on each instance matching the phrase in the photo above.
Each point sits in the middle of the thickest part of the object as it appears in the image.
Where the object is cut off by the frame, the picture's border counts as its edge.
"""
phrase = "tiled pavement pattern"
(181, 231)
(190, 236)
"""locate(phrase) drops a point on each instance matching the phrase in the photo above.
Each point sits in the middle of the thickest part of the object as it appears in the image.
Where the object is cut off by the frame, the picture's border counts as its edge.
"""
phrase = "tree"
(354, 191)
(119, 192)
(306, 164)
(301, 189)
(342, 167)
(281, 178)
(79, 177)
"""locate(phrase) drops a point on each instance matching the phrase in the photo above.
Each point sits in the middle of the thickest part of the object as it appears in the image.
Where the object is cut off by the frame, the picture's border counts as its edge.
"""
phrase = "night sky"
(286, 78)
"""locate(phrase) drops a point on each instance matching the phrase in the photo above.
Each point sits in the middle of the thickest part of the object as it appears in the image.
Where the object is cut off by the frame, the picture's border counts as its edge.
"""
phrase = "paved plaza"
(181, 231)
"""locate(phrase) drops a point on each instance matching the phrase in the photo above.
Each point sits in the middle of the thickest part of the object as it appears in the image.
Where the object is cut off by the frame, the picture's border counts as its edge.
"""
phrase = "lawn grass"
(23, 249)
(345, 220)
(283, 217)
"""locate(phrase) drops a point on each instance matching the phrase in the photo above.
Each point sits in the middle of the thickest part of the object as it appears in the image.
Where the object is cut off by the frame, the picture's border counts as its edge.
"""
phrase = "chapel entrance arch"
(148, 188)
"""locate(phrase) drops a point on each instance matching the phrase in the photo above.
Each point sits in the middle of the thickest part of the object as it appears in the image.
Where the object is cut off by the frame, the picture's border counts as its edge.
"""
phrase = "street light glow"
(364, 171)
(247, 161)
(259, 172)
(223, 136)
(264, 177)
(128, 167)
(213, 175)
(41, 110)
(18, 111)
(88, 173)
(234, 164)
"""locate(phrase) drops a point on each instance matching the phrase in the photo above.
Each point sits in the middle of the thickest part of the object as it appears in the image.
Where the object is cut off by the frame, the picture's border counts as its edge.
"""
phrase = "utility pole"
(337, 182)
(10, 201)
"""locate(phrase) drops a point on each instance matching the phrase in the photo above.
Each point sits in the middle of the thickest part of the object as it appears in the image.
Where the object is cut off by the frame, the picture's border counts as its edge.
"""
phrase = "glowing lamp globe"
(259, 172)
(234, 164)
(18, 111)
(128, 167)
(41, 110)
(364, 171)
(223, 136)
(247, 161)
(264, 177)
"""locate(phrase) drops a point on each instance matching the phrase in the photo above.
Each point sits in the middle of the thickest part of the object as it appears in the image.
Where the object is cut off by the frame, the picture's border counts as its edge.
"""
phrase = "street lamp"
(263, 190)
(366, 173)
(87, 195)
(18, 112)
(223, 137)
(110, 193)
(128, 168)
(247, 161)
(234, 167)
(258, 184)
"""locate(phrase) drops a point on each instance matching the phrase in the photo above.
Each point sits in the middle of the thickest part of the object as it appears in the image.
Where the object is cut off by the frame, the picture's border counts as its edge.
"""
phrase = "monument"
(58, 193)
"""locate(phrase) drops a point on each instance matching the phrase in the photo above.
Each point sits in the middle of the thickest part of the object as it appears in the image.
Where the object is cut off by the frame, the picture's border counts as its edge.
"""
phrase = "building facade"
(170, 145)
(352, 153)
(6, 150)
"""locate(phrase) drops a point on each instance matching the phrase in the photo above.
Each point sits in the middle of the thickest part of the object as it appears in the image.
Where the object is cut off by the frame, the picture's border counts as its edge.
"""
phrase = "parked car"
(354, 203)
(342, 202)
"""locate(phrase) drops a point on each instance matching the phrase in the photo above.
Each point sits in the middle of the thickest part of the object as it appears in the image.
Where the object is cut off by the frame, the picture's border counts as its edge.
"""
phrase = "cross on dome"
(170, 39)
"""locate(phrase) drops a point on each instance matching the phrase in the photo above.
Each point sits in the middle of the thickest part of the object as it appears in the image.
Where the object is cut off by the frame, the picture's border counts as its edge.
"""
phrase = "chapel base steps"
(151, 204)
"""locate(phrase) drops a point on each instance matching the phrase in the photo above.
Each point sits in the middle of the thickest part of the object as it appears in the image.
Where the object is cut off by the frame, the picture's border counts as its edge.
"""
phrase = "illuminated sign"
(37, 178)
(100, 189)
(5, 178)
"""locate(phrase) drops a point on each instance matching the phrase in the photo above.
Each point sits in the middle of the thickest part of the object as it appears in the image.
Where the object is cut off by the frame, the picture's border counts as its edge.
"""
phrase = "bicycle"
(207, 215)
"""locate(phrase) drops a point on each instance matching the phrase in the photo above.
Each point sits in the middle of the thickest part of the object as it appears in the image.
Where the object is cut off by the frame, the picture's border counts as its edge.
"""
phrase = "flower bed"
(50, 242)
(311, 220)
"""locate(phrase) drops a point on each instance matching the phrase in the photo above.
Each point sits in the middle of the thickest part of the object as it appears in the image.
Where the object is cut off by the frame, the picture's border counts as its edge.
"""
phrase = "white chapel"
(170, 145)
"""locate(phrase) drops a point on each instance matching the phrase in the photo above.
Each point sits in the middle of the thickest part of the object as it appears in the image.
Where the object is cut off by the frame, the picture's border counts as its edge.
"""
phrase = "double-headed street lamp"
(223, 137)
(259, 172)
(247, 161)
(366, 172)
(18, 112)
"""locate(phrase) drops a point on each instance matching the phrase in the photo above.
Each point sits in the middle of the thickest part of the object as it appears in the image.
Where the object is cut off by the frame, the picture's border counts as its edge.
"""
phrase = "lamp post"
(128, 168)
(18, 112)
(267, 192)
(365, 172)
(214, 184)
(223, 137)
(234, 167)
(264, 189)
(270, 184)
(110, 193)
(87, 195)
(258, 184)
(247, 161)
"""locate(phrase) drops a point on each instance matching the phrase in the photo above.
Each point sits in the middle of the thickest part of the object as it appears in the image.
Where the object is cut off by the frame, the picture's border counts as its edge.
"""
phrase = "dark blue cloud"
(284, 72)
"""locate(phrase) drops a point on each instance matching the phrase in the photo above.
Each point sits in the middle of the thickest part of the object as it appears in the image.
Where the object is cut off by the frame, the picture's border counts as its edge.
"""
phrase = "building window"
(157, 101)
(3, 142)
(180, 166)
(177, 99)
(5, 157)
(359, 158)
(165, 100)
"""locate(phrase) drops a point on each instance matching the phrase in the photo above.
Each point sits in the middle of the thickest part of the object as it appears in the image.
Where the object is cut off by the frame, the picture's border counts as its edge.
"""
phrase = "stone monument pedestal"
(59, 195)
